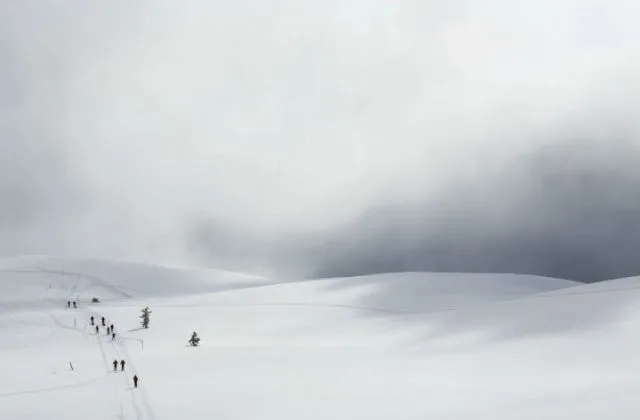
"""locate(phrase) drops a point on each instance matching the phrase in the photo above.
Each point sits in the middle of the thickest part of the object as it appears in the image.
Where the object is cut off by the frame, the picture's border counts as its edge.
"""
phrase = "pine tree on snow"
(146, 313)
(194, 340)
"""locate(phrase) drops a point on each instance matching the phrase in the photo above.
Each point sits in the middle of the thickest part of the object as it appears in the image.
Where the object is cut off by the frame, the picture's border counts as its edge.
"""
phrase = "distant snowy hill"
(401, 346)
(23, 277)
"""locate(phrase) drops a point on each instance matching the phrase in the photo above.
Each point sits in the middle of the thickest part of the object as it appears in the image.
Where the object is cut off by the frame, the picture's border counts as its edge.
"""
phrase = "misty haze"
(315, 138)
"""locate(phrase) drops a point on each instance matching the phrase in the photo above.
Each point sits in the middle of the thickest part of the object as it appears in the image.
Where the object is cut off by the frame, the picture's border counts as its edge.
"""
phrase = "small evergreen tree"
(194, 340)
(146, 313)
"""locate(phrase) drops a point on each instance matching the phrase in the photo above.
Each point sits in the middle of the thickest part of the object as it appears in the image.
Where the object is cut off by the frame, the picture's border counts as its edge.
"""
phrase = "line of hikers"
(110, 328)
(122, 363)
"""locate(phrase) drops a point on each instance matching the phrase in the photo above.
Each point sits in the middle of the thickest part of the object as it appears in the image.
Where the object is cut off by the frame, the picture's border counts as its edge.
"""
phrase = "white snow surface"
(390, 346)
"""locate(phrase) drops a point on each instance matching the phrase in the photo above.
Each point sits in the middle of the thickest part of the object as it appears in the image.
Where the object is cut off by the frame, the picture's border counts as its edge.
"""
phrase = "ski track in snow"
(120, 386)
(94, 279)
(119, 348)
(53, 389)
(142, 408)
(117, 390)
(106, 364)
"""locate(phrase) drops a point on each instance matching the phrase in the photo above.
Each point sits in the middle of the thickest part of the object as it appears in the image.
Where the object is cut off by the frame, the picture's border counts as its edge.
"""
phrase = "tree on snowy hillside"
(146, 313)
(194, 340)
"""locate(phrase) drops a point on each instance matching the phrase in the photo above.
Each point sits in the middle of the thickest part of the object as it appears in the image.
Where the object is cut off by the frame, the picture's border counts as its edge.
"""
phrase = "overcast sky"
(324, 137)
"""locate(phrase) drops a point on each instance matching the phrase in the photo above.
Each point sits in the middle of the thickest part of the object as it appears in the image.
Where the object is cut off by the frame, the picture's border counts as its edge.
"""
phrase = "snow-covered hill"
(22, 280)
(401, 346)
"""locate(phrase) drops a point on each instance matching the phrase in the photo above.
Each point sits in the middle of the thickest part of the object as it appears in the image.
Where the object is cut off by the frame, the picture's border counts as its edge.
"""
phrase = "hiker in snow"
(113, 336)
(111, 327)
(75, 304)
(97, 329)
(122, 365)
(194, 340)
(135, 381)
(103, 322)
(92, 323)
(115, 365)
(68, 304)
(108, 330)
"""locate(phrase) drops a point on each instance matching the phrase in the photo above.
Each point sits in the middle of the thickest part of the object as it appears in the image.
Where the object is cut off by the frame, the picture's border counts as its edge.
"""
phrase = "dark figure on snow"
(115, 365)
(97, 329)
(75, 304)
(113, 336)
(68, 304)
(103, 324)
(111, 327)
(92, 323)
(135, 381)
(122, 365)
(108, 330)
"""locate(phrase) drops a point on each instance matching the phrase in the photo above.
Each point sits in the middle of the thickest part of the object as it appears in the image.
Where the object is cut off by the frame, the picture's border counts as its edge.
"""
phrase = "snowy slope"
(401, 346)
(395, 292)
(22, 280)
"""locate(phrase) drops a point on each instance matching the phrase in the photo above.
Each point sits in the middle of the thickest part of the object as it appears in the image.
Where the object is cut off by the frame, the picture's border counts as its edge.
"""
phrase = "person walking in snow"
(103, 324)
(115, 365)
(75, 304)
(97, 329)
(122, 365)
(68, 304)
(135, 381)
(92, 323)
(111, 327)
(113, 336)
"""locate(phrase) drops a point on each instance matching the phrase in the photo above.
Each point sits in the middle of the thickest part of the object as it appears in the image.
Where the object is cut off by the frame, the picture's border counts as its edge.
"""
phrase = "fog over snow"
(324, 138)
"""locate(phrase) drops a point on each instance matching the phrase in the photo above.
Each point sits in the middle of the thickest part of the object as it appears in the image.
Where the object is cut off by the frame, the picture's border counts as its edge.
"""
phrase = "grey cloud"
(571, 210)
(306, 138)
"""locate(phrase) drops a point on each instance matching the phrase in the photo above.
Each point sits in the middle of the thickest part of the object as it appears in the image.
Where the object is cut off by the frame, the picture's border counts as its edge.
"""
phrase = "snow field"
(401, 346)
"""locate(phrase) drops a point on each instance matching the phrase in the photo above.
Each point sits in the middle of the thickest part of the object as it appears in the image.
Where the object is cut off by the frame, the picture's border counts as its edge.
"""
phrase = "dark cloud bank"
(569, 210)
